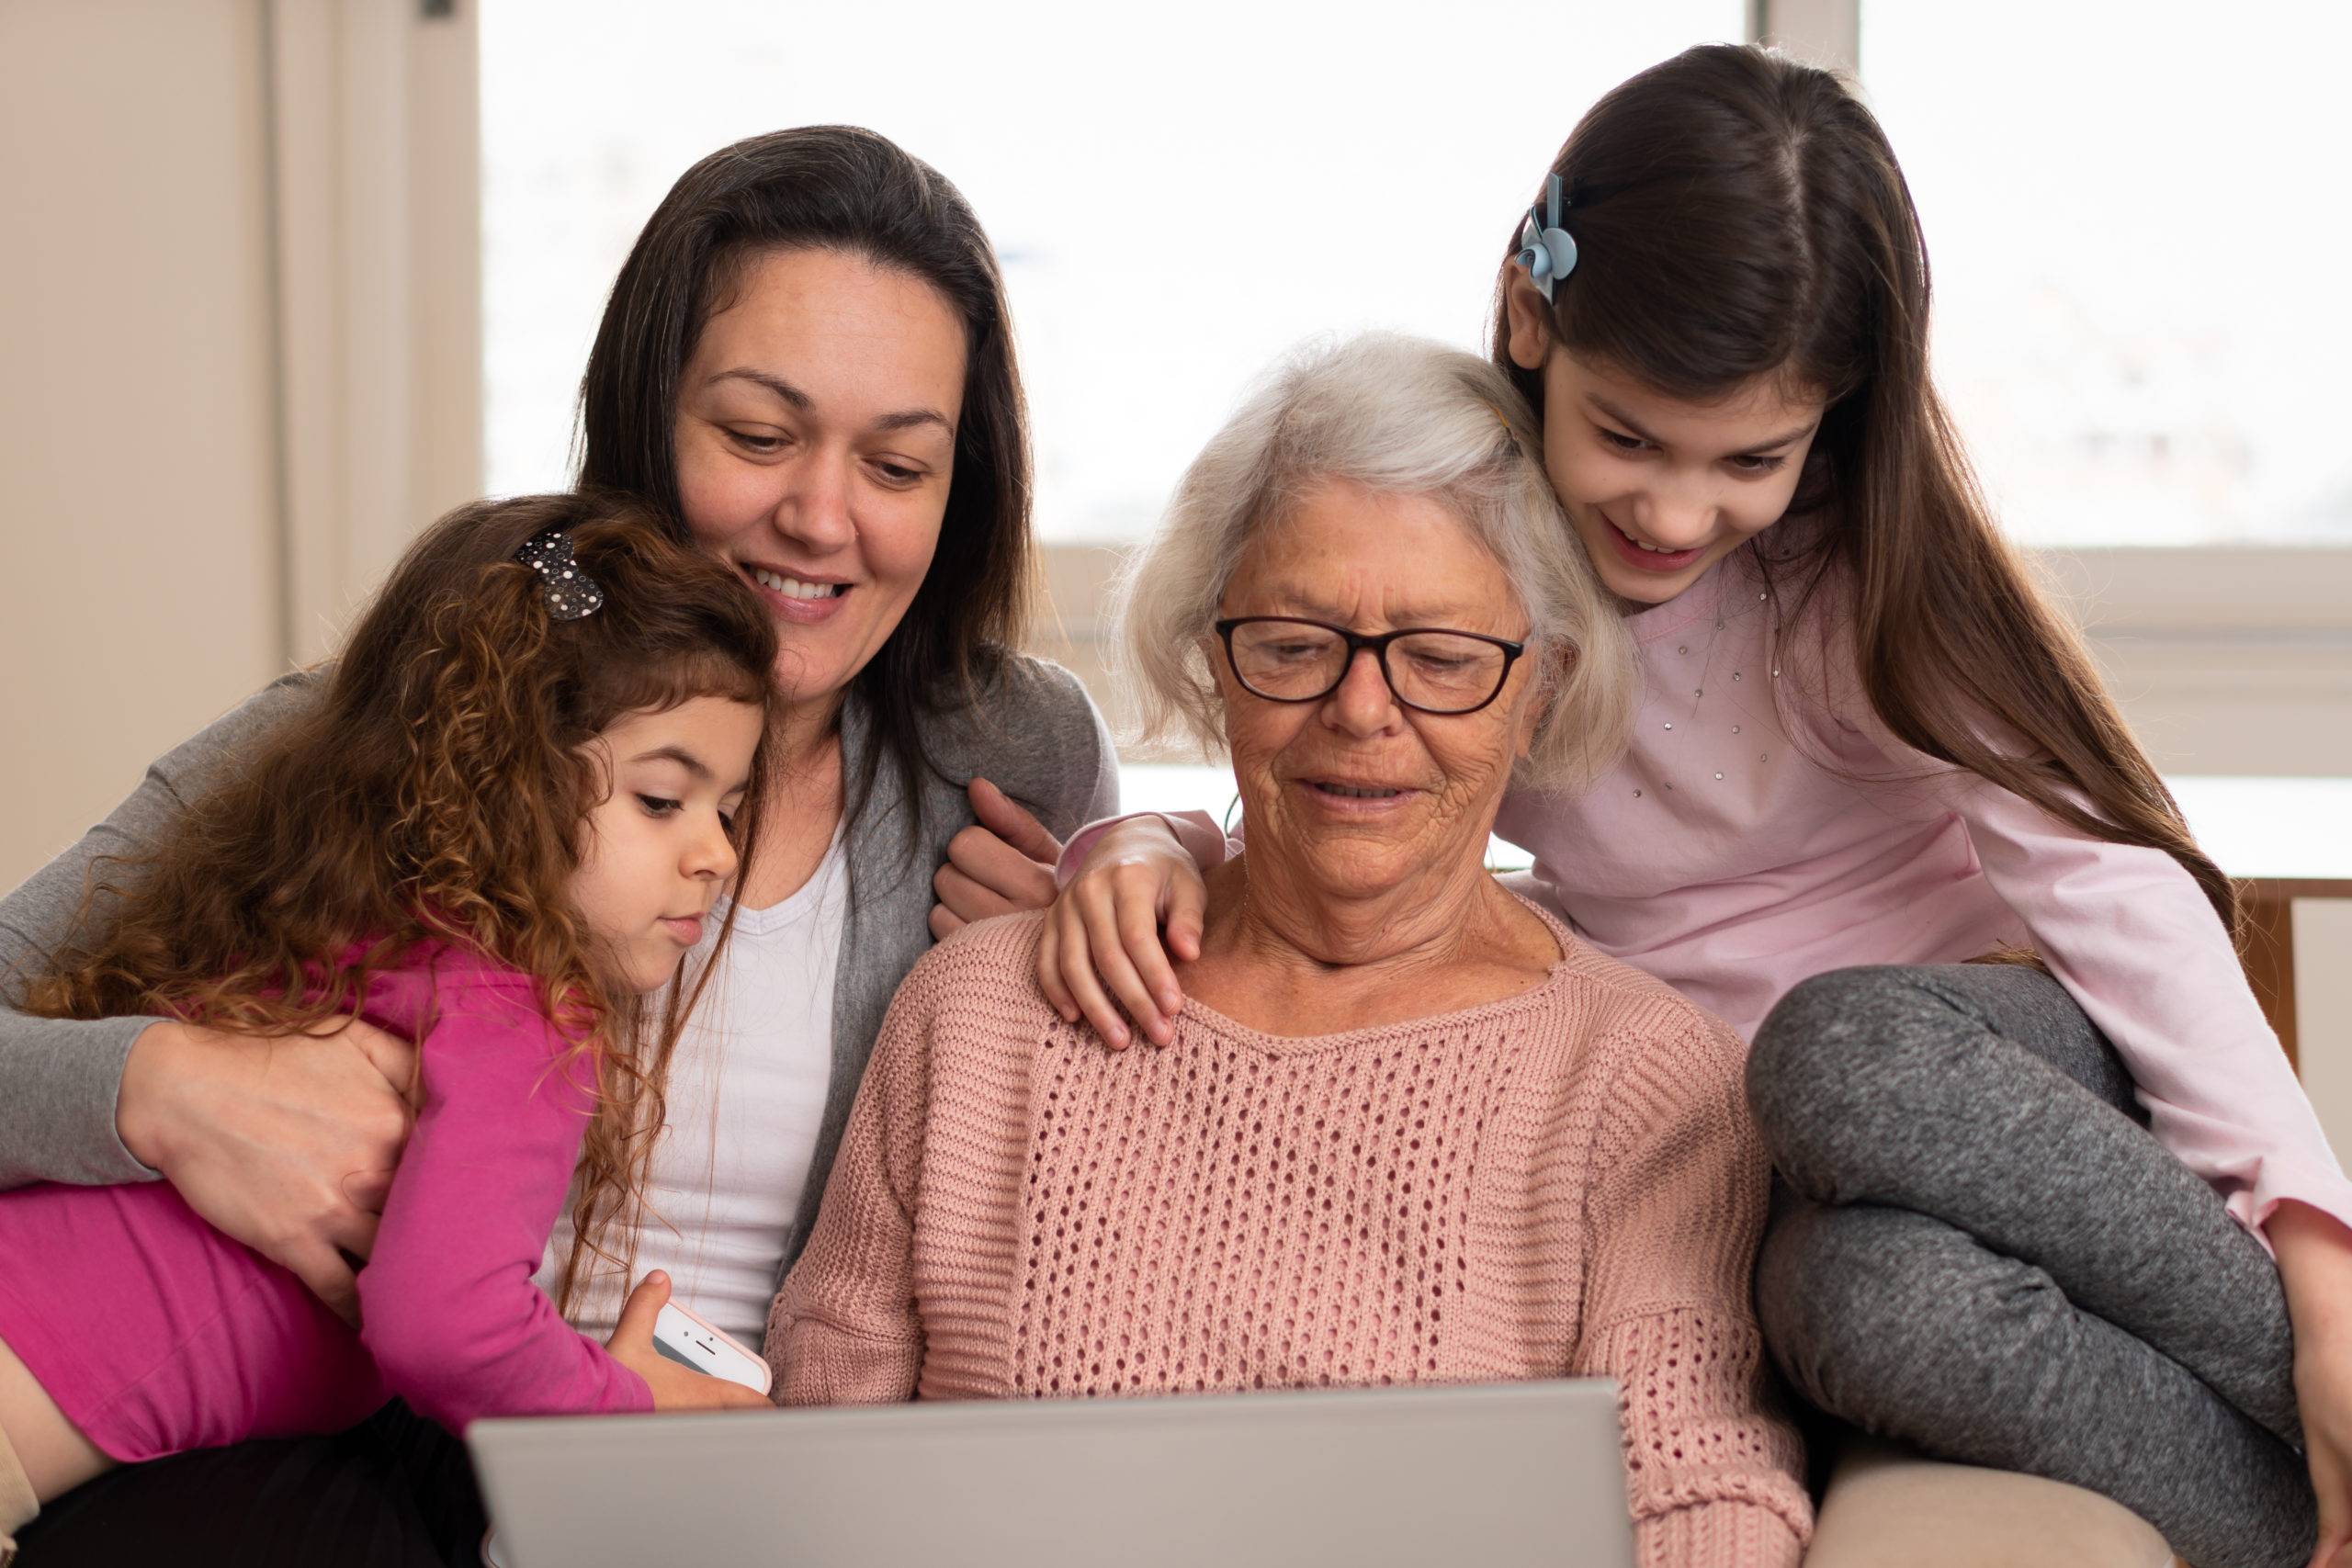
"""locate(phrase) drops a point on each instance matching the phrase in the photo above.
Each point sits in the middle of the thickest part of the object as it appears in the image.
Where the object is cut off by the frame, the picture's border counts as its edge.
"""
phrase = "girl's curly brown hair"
(436, 794)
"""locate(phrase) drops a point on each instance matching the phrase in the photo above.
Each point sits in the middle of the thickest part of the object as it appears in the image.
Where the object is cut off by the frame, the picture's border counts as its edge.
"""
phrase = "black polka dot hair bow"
(572, 595)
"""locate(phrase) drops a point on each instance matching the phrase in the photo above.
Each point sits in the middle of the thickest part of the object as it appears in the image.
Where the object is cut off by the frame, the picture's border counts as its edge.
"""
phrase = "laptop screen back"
(1508, 1476)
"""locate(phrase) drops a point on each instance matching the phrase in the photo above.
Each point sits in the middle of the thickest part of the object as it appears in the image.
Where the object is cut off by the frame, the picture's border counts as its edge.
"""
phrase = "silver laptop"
(1509, 1475)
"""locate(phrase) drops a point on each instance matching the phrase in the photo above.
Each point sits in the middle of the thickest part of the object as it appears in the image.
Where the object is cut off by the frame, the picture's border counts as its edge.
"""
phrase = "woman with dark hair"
(805, 364)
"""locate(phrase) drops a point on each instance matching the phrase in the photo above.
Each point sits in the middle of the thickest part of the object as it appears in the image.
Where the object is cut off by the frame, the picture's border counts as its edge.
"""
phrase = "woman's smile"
(1355, 799)
(803, 598)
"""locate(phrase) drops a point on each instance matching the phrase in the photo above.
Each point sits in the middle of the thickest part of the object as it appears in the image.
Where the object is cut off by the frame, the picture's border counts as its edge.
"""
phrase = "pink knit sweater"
(1561, 1183)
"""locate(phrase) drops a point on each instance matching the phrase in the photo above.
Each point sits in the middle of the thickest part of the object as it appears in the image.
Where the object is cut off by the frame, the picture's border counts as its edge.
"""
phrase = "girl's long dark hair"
(1738, 215)
(437, 794)
(836, 188)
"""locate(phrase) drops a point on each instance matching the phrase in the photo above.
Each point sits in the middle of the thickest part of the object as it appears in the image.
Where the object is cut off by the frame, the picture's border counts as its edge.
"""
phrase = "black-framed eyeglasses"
(1428, 669)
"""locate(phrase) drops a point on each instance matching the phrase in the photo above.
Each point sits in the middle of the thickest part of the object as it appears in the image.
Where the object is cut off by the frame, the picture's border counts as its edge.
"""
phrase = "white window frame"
(2234, 659)
(2226, 660)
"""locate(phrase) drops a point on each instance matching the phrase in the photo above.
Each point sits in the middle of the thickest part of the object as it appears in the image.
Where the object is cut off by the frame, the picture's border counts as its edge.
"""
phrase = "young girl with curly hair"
(500, 833)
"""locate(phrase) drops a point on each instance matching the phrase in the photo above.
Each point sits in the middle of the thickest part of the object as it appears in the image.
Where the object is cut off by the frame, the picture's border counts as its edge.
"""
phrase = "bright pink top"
(1765, 828)
(155, 1334)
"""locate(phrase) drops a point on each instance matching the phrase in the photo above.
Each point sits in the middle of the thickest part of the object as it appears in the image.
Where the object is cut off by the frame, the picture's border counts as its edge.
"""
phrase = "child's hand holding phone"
(677, 1383)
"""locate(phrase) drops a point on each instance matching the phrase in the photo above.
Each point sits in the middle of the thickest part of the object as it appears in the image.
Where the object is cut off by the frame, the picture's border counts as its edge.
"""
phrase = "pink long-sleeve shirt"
(1766, 827)
(156, 1334)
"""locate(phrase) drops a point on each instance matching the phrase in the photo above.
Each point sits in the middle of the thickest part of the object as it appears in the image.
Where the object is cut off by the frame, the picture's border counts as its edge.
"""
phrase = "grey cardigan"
(1034, 733)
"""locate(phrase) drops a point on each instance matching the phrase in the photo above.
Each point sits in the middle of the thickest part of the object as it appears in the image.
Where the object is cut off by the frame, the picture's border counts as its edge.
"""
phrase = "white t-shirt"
(746, 1093)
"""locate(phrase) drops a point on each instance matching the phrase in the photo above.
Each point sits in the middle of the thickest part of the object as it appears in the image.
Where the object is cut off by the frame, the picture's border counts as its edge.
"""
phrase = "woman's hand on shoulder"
(286, 1143)
(1101, 955)
(1002, 865)
(674, 1387)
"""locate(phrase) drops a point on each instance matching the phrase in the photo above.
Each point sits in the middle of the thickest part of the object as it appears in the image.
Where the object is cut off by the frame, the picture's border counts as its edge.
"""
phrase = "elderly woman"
(1409, 1129)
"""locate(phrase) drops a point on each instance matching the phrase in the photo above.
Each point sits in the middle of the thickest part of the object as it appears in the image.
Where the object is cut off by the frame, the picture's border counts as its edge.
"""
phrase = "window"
(2131, 210)
(2138, 249)
(1177, 194)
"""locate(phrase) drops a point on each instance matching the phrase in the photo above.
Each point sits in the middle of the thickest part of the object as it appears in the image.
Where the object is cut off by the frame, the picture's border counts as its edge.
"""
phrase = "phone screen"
(670, 1354)
(682, 1337)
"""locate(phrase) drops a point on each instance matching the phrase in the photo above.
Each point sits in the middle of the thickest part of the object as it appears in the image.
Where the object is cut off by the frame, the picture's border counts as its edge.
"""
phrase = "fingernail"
(1118, 1036)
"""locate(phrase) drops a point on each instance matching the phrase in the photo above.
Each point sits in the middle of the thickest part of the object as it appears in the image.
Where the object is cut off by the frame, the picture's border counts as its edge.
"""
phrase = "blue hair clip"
(1547, 251)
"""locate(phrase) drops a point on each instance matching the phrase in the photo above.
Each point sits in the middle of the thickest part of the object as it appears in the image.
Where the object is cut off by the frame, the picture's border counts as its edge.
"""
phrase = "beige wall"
(139, 575)
(239, 325)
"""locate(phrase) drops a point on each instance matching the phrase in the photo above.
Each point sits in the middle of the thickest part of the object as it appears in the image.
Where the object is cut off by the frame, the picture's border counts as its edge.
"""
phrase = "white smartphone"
(686, 1339)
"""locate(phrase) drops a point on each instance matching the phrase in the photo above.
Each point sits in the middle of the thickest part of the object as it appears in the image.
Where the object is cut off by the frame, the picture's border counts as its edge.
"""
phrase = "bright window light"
(1179, 193)
(2139, 238)
(2139, 319)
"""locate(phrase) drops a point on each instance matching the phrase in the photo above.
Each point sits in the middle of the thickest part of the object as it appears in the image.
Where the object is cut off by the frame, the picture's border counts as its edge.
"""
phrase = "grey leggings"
(1979, 1250)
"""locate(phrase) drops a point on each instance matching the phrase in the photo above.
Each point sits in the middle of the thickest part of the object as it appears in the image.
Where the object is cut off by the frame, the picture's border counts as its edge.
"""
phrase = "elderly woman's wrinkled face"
(1356, 791)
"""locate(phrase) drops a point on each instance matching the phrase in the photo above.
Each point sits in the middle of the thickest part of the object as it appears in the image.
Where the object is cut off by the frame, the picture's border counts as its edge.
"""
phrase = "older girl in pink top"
(2029, 1210)
(506, 825)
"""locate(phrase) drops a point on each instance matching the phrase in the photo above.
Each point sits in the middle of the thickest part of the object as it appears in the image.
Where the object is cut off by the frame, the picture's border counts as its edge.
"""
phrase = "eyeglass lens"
(1441, 671)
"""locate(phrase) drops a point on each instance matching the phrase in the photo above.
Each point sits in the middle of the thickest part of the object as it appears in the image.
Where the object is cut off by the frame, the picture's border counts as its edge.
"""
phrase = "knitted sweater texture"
(1561, 1183)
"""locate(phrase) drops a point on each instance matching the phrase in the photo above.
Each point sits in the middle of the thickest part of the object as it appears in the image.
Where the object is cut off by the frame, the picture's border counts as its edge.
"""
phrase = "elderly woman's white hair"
(1397, 414)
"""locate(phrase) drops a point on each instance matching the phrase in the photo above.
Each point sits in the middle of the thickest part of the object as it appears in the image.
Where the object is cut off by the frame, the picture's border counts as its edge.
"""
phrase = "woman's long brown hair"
(1738, 215)
(436, 795)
